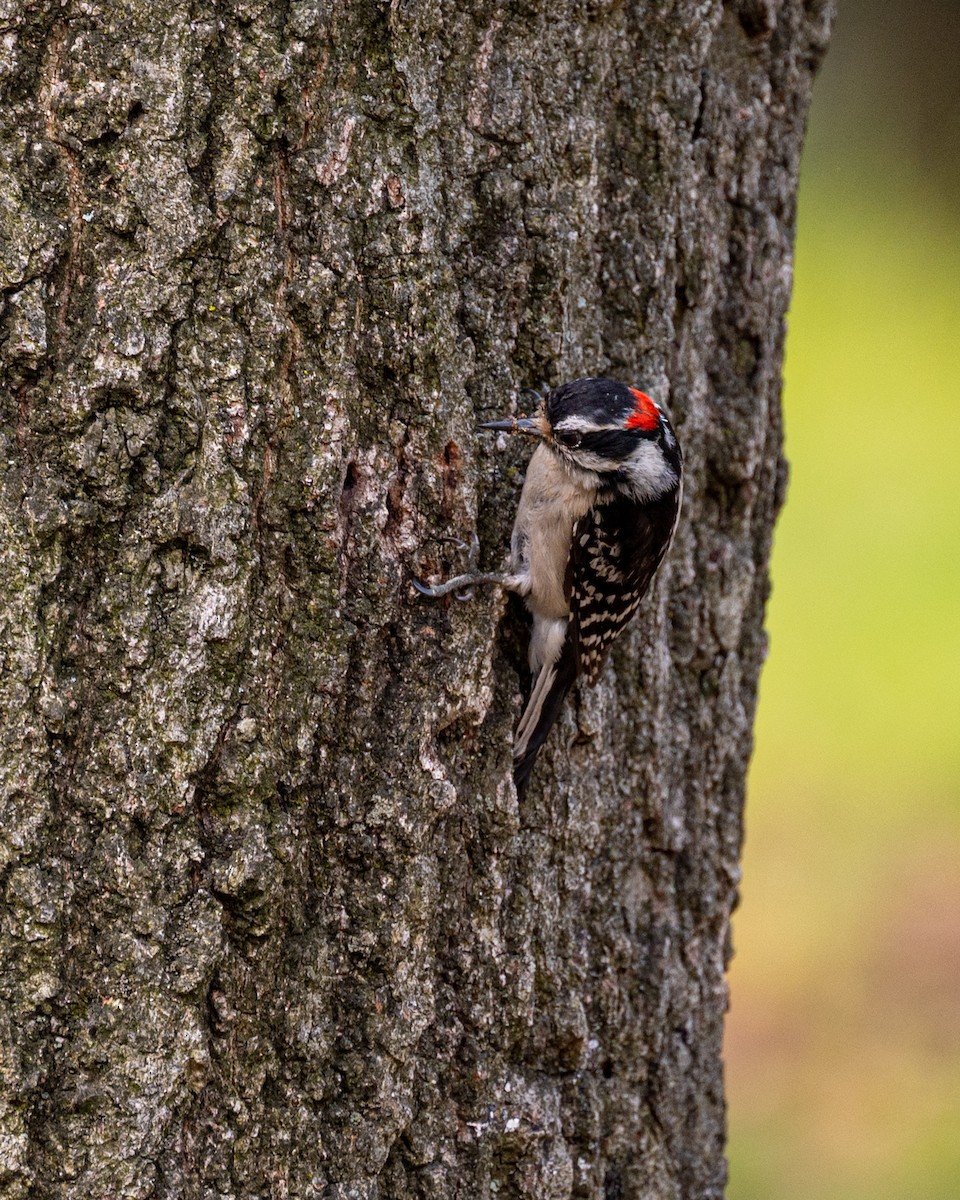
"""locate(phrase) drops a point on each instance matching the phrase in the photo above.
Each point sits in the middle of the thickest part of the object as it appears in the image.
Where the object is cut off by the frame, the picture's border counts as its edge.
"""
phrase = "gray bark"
(274, 924)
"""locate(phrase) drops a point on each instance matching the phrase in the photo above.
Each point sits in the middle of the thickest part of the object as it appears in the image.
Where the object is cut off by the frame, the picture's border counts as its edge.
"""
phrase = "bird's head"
(617, 433)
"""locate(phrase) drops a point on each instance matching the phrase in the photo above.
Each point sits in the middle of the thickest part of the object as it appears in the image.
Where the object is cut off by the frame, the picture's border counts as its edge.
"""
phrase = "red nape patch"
(644, 415)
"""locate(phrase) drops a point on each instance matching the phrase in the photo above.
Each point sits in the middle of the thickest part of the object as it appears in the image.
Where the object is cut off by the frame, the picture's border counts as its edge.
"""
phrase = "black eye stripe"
(611, 443)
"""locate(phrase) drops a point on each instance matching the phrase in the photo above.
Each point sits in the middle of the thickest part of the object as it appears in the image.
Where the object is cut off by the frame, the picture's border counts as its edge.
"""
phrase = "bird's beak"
(529, 425)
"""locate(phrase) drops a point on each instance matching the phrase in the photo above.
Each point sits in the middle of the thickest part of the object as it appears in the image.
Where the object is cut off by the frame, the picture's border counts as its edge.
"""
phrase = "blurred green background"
(843, 1042)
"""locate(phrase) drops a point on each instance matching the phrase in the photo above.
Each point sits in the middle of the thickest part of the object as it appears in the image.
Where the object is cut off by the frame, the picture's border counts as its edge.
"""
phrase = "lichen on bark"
(274, 921)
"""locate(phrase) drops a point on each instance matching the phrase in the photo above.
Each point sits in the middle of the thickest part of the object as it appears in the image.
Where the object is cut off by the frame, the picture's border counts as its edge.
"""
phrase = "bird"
(597, 514)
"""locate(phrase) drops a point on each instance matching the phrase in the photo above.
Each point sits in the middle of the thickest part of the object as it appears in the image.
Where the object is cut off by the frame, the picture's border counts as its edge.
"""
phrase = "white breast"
(550, 502)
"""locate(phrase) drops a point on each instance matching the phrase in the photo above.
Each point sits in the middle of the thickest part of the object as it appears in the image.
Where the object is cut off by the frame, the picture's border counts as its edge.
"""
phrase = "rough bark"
(274, 924)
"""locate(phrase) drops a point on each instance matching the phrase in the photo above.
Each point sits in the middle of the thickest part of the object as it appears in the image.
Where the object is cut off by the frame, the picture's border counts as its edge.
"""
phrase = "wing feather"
(615, 552)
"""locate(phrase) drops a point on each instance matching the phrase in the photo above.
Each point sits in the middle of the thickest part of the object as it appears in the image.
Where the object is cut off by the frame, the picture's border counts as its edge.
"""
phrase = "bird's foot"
(460, 585)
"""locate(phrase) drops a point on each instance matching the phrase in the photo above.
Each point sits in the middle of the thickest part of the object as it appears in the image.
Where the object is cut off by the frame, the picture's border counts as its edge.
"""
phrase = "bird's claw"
(445, 589)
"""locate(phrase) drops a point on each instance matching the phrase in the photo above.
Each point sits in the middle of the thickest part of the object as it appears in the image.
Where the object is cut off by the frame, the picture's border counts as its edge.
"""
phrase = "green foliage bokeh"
(843, 1049)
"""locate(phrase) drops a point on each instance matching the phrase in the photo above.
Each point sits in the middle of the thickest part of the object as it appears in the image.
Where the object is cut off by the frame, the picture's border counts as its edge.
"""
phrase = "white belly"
(549, 504)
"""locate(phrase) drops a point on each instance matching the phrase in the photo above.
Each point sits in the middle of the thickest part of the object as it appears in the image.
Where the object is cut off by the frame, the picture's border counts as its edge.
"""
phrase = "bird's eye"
(571, 440)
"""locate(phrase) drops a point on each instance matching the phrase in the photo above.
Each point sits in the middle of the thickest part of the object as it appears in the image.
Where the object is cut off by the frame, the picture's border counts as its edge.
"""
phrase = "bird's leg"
(467, 580)
(461, 581)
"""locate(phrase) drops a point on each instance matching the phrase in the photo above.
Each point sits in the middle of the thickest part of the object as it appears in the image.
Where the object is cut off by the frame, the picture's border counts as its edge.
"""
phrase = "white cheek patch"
(589, 461)
(649, 472)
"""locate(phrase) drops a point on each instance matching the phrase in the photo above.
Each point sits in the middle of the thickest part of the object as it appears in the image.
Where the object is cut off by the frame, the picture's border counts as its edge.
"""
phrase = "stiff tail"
(552, 684)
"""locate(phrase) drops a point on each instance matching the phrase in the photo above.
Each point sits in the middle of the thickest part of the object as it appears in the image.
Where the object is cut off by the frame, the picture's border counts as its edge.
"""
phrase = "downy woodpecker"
(597, 513)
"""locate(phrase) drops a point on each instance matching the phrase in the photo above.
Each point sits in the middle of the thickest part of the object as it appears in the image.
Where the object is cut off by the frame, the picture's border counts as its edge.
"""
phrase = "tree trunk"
(274, 924)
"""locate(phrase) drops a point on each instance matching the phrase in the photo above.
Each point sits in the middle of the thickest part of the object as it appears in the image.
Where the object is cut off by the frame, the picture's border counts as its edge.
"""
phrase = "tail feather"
(551, 686)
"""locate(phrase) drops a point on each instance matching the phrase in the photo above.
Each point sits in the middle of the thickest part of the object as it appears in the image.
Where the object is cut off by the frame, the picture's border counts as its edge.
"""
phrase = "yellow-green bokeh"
(843, 1046)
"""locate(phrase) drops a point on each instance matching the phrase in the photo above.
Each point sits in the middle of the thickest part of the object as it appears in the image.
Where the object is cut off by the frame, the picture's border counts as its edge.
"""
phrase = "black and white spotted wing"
(614, 556)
